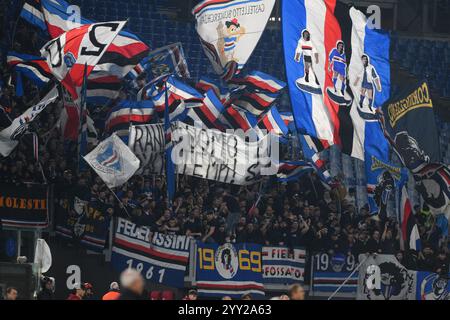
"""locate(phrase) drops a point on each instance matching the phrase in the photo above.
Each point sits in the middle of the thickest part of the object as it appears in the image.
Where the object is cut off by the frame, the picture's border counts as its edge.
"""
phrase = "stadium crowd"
(302, 213)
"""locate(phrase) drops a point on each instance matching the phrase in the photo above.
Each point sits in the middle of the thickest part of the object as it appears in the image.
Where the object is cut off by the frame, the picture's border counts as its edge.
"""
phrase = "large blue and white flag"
(113, 161)
(310, 32)
(370, 81)
(229, 31)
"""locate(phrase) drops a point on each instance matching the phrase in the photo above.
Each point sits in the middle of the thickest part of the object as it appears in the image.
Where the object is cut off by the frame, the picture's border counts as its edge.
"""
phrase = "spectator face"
(376, 235)
(298, 294)
(192, 296)
(427, 251)
(12, 294)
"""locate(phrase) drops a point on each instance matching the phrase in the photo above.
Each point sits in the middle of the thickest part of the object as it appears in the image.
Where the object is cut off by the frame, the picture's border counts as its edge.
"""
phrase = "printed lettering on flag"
(147, 142)
(330, 271)
(230, 30)
(121, 56)
(24, 206)
(220, 156)
(68, 54)
(229, 270)
(283, 265)
(160, 258)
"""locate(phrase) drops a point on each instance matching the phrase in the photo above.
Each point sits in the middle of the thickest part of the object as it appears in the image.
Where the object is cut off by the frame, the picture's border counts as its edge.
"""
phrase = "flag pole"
(120, 201)
(82, 119)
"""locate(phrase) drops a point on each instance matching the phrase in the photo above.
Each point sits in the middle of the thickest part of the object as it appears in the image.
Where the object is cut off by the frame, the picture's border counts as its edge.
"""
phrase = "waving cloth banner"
(10, 136)
(229, 270)
(230, 30)
(148, 144)
(283, 265)
(224, 157)
(24, 207)
(160, 258)
(68, 54)
(113, 161)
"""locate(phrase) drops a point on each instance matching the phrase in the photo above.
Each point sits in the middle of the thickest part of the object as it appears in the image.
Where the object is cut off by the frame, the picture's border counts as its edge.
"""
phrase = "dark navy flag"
(84, 222)
(410, 124)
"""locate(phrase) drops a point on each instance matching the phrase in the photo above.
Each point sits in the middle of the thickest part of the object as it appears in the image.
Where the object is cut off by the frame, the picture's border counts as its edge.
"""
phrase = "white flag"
(230, 30)
(113, 161)
(43, 255)
(10, 136)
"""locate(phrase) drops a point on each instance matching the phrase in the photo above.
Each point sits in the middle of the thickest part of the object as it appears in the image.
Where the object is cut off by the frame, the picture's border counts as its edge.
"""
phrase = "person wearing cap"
(113, 293)
(192, 295)
(132, 284)
(77, 293)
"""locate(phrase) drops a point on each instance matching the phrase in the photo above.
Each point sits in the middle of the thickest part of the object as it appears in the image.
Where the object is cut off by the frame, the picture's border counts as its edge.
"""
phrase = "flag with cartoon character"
(230, 30)
(409, 126)
(396, 282)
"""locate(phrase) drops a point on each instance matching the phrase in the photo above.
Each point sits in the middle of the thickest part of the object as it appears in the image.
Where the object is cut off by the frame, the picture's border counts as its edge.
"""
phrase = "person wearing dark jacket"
(46, 292)
(373, 245)
(132, 284)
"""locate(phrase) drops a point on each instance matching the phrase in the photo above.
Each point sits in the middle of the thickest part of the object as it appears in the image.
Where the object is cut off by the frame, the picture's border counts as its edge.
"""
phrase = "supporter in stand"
(11, 293)
(296, 292)
(113, 293)
(132, 284)
(48, 289)
(192, 295)
(77, 293)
